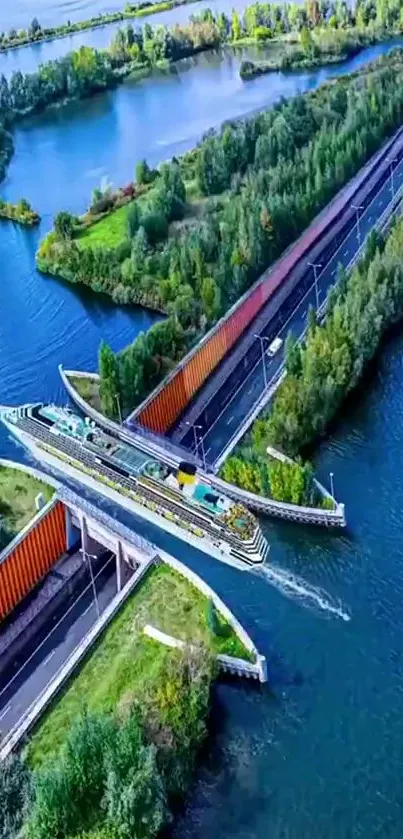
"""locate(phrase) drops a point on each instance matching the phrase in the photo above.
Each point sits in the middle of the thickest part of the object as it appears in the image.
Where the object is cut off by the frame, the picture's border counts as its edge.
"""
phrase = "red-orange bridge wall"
(32, 558)
(166, 404)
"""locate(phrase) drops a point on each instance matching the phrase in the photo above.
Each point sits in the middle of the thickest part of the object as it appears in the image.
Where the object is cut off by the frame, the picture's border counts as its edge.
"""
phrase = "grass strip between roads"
(126, 665)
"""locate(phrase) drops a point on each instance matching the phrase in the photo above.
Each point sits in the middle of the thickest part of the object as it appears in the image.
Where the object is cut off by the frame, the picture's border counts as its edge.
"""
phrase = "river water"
(318, 754)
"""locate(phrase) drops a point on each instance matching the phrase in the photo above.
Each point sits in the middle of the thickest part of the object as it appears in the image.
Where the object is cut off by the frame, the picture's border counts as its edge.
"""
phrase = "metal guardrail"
(70, 498)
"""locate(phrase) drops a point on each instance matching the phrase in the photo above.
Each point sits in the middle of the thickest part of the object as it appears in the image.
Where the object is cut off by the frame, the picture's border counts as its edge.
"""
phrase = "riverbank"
(37, 35)
(134, 690)
(193, 195)
(319, 47)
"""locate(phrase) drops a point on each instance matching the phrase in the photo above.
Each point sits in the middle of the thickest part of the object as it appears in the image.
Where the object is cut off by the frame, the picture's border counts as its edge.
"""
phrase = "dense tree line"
(76, 75)
(330, 364)
(86, 71)
(114, 777)
(320, 373)
(263, 180)
(251, 469)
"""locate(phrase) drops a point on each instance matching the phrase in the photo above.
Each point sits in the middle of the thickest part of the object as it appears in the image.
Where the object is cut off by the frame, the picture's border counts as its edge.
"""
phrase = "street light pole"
(315, 266)
(392, 171)
(357, 208)
(190, 424)
(262, 339)
(119, 409)
(200, 428)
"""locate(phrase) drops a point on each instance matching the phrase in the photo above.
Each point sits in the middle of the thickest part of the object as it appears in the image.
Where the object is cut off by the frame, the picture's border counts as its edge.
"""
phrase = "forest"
(363, 305)
(117, 775)
(260, 181)
(319, 28)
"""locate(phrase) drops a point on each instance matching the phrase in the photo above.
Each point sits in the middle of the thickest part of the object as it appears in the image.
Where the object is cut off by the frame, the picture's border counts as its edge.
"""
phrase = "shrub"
(14, 795)
(156, 227)
(102, 205)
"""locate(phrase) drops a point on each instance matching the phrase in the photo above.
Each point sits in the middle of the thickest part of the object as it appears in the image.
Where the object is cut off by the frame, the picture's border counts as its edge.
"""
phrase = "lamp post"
(200, 428)
(190, 425)
(315, 266)
(262, 339)
(357, 208)
(119, 409)
(392, 170)
(87, 558)
(331, 484)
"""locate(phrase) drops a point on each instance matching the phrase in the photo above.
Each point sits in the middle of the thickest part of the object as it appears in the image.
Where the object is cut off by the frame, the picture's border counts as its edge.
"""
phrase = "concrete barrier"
(227, 663)
(221, 607)
(65, 672)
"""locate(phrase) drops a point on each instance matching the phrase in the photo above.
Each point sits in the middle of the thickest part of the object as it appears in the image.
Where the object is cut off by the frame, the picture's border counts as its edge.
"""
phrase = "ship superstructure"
(177, 500)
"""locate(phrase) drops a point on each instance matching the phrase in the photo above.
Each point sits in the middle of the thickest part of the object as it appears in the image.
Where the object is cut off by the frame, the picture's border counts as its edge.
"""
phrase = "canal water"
(319, 753)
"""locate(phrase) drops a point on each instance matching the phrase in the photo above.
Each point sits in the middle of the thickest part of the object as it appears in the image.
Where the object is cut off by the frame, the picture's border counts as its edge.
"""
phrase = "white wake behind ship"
(176, 500)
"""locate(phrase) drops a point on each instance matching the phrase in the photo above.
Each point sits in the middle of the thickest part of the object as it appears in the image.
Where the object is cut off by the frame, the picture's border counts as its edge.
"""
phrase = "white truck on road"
(274, 347)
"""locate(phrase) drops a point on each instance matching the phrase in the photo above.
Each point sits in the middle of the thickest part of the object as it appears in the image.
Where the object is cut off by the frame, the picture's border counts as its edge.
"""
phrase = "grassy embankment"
(18, 491)
(126, 664)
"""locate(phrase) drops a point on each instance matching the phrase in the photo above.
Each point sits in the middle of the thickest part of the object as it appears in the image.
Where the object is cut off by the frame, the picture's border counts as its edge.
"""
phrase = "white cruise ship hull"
(63, 469)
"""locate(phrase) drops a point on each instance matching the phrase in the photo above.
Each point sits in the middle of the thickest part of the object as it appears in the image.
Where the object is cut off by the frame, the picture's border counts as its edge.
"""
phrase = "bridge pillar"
(71, 536)
(119, 565)
(84, 535)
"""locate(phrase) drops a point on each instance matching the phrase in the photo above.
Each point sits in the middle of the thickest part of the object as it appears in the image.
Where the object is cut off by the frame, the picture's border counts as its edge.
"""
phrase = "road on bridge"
(218, 430)
(42, 660)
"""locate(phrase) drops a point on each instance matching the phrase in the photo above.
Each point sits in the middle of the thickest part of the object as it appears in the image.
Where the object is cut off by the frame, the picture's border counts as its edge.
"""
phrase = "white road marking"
(345, 253)
(230, 420)
(6, 710)
(208, 450)
(304, 313)
(249, 391)
(87, 609)
(48, 658)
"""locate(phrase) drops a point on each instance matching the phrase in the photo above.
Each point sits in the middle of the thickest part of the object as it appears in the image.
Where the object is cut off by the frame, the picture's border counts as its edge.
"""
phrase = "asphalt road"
(217, 431)
(32, 676)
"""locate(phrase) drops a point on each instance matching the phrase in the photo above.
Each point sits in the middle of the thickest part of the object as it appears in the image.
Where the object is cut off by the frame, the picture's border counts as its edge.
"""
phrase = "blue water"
(318, 754)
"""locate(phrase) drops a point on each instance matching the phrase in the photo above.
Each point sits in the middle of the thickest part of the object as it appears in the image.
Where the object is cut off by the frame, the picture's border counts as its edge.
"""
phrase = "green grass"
(106, 233)
(125, 665)
(89, 390)
(110, 231)
(18, 491)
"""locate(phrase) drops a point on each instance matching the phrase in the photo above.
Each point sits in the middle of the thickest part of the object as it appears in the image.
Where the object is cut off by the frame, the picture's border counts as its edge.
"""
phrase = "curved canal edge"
(169, 454)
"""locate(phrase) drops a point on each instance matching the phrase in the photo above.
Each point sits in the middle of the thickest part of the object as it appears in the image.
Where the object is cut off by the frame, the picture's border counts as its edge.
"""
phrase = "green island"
(18, 491)
(115, 753)
(208, 224)
(292, 36)
(35, 33)
(20, 212)
(330, 363)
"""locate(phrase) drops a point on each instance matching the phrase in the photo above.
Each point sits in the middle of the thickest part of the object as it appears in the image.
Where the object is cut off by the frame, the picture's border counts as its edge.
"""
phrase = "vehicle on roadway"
(177, 500)
(274, 347)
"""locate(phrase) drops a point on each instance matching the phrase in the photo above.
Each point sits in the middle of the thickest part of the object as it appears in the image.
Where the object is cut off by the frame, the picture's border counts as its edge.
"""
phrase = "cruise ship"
(176, 499)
